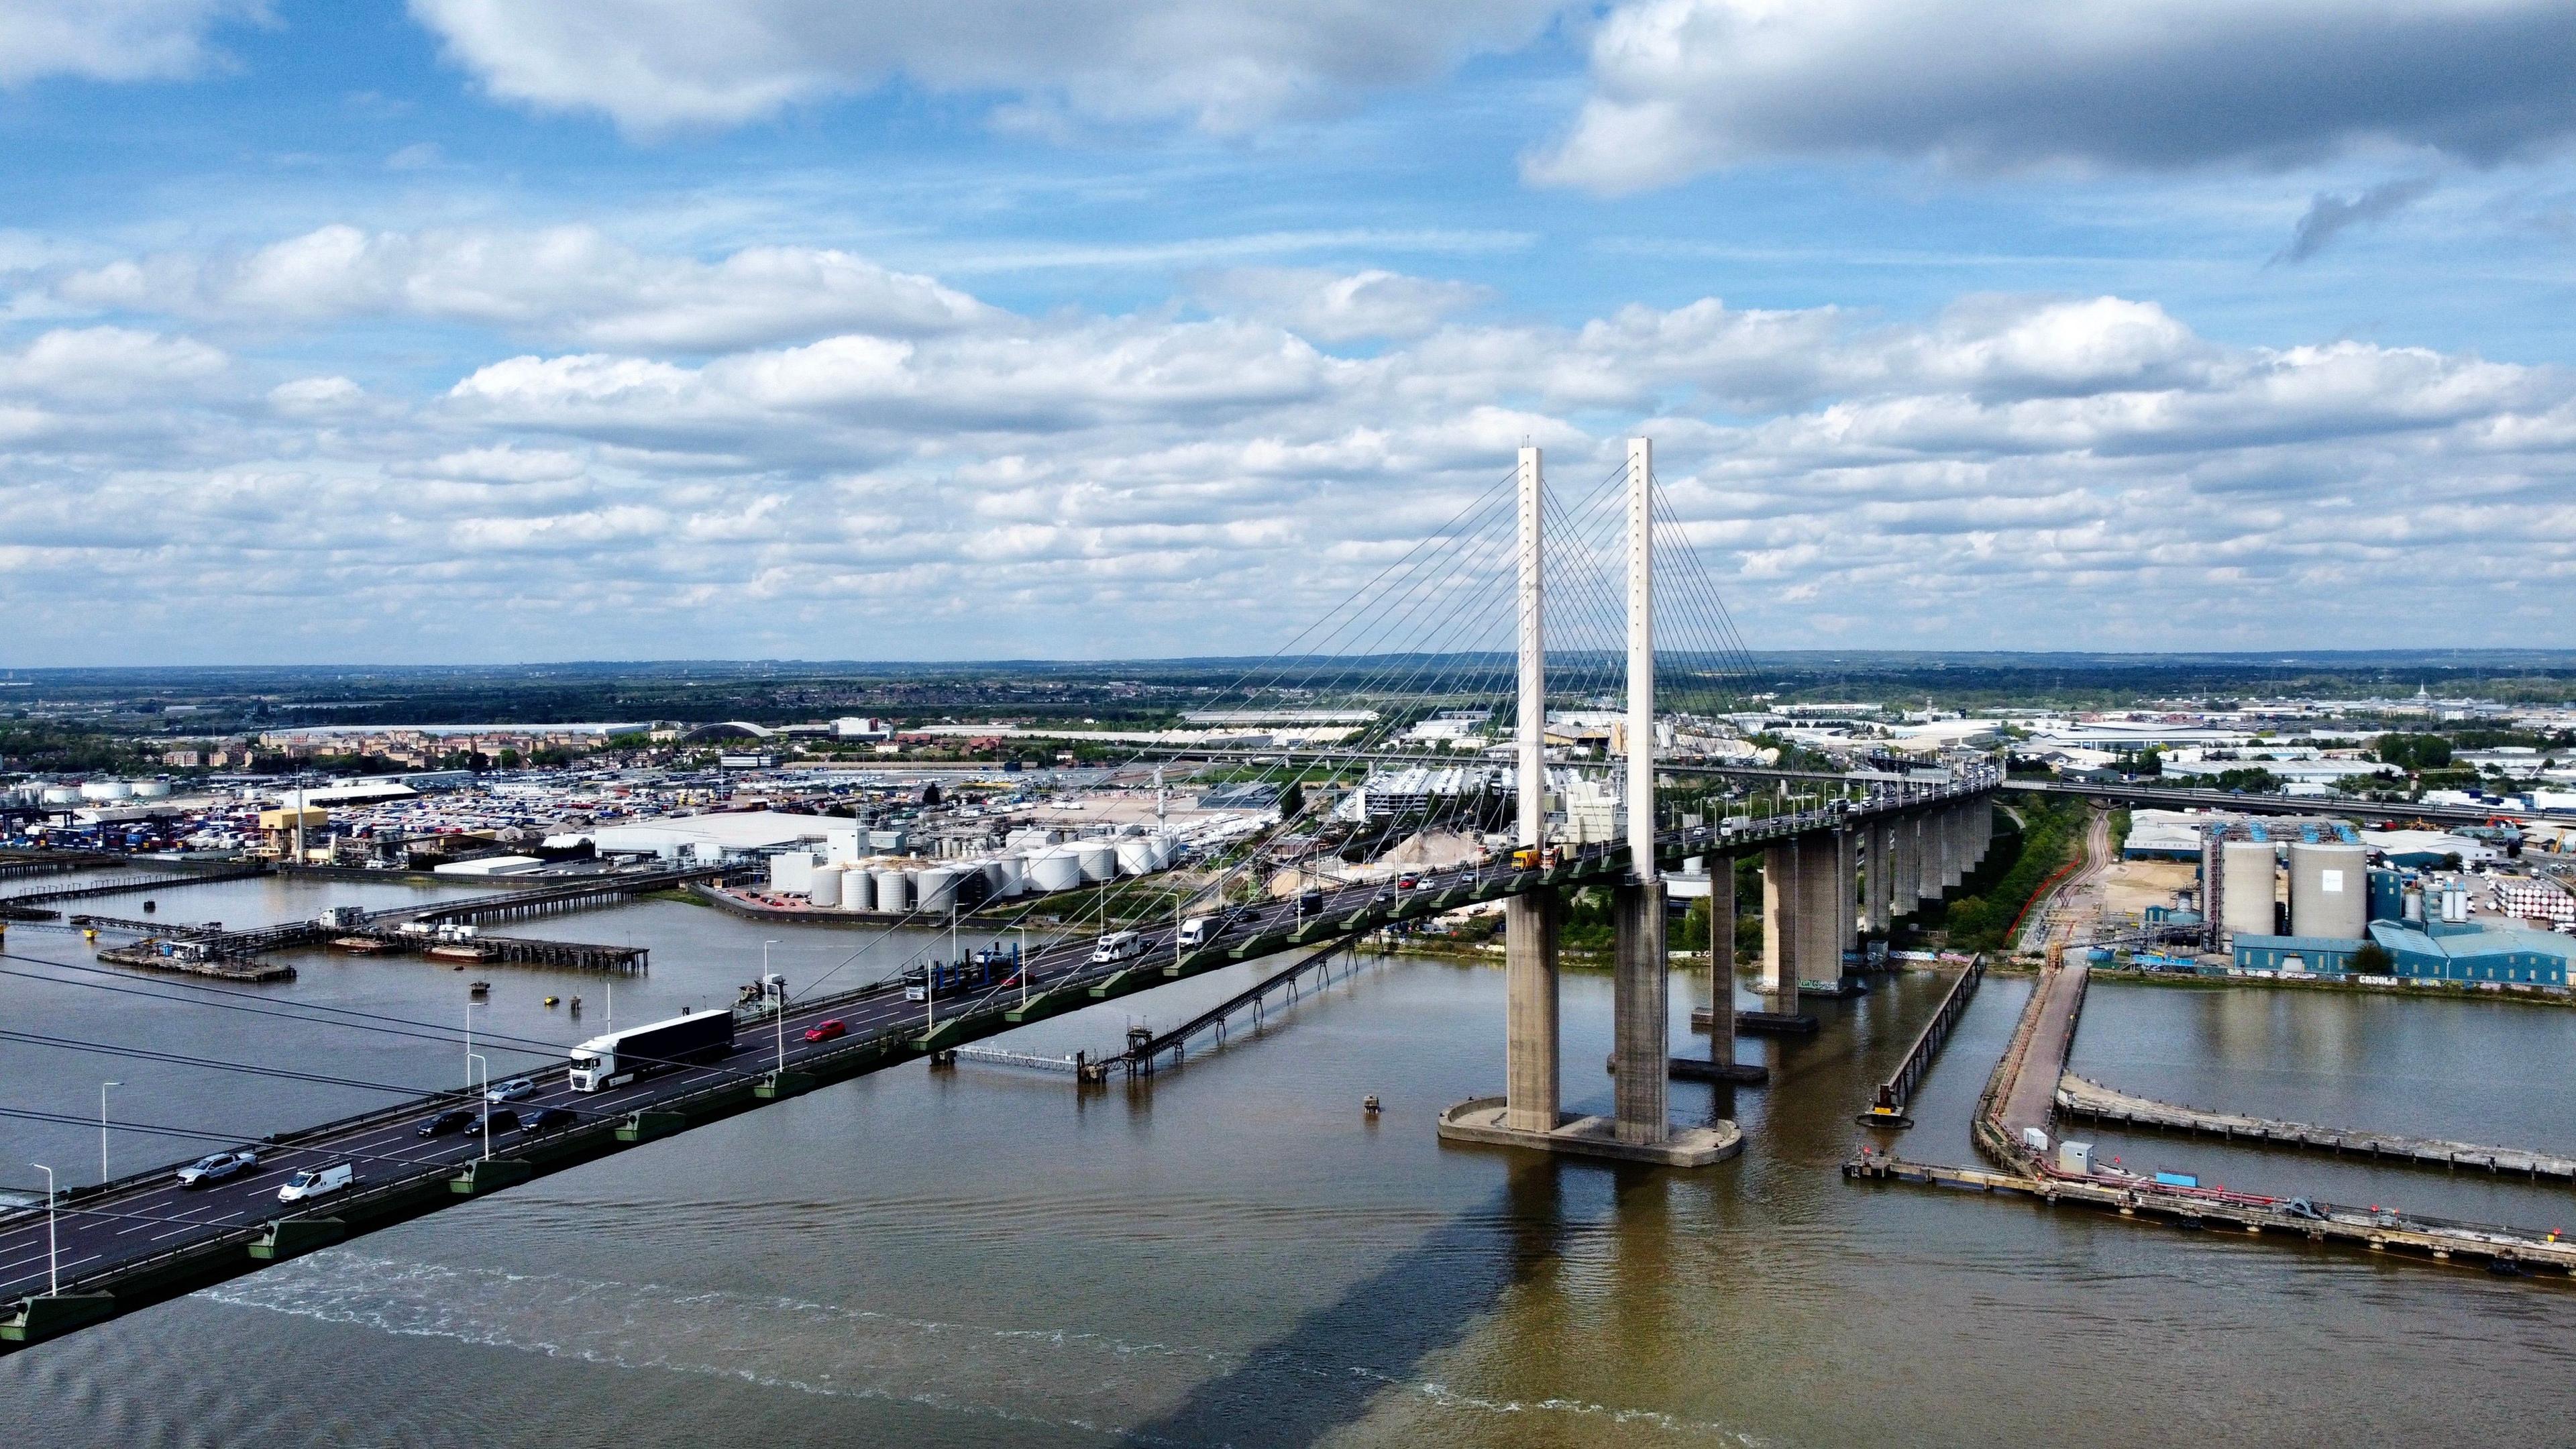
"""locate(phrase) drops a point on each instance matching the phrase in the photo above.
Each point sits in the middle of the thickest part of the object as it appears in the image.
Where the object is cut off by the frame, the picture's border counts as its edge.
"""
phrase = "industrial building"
(2474, 953)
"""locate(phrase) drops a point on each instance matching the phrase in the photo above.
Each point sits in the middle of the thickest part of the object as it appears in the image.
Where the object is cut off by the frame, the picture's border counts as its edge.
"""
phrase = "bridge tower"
(1639, 1128)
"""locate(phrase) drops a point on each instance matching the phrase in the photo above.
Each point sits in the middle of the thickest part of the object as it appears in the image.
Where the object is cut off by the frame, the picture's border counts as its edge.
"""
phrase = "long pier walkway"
(2090, 1100)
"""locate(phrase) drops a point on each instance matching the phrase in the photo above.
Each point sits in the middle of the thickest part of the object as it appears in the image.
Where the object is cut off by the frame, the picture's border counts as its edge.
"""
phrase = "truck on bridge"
(639, 1051)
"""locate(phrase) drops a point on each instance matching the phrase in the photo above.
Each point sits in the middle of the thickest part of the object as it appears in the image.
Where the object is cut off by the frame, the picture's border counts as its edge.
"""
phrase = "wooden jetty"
(2093, 1102)
(1761, 1023)
(192, 958)
(2504, 1250)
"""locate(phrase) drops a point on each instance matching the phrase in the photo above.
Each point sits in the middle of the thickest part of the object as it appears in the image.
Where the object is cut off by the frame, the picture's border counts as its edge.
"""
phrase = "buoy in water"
(150, 906)
(550, 1001)
(1371, 1105)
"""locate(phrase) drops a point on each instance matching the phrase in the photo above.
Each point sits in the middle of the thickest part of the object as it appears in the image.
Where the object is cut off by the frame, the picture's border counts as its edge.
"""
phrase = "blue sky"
(472, 331)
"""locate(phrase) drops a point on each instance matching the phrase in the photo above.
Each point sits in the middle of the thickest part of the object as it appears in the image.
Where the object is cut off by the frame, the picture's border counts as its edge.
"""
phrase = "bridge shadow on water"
(1339, 1358)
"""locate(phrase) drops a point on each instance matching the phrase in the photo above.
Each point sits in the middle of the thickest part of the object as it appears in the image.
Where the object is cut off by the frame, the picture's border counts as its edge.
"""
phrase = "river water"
(1236, 1254)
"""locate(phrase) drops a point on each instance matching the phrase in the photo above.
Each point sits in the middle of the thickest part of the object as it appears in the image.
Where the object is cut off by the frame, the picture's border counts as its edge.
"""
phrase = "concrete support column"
(1721, 958)
(1846, 896)
(1641, 1015)
(1780, 862)
(1530, 1092)
(1824, 908)
(1927, 857)
(1875, 897)
(1953, 869)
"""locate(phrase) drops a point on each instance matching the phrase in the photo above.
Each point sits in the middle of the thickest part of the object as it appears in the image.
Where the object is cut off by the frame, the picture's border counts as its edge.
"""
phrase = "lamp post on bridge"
(53, 1256)
(102, 1127)
(777, 1003)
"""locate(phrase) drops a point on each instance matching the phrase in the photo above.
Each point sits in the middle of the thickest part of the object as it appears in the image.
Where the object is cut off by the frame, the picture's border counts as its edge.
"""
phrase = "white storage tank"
(2329, 890)
(1167, 849)
(1010, 876)
(994, 879)
(151, 789)
(1136, 855)
(858, 889)
(1057, 868)
(824, 889)
(935, 888)
(62, 795)
(894, 890)
(106, 790)
(1099, 860)
(2245, 877)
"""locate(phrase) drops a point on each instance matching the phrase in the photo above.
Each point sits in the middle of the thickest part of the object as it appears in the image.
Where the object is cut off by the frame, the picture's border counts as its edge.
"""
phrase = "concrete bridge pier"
(1927, 855)
(1721, 958)
(1530, 1074)
(1780, 941)
(1641, 1016)
(1878, 897)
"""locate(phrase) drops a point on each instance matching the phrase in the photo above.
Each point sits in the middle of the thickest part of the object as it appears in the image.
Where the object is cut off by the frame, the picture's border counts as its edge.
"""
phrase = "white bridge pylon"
(1530, 1111)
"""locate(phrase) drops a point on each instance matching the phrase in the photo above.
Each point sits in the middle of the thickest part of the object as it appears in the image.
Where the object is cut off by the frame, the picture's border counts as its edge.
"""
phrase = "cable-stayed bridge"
(1520, 567)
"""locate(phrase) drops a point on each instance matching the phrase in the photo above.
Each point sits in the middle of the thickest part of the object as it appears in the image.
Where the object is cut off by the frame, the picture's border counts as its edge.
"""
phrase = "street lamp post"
(53, 1272)
(1024, 963)
(102, 1127)
(777, 1004)
(469, 1041)
(473, 1060)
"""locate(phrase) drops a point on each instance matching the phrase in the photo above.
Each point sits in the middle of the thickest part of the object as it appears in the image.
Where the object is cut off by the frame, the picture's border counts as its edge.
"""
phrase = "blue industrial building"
(2324, 955)
(2469, 952)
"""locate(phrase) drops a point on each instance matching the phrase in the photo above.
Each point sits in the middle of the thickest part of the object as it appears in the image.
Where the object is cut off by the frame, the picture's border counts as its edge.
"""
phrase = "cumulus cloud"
(562, 282)
(1224, 64)
(2080, 471)
(2329, 216)
(111, 40)
(1686, 86)
(1342, 307)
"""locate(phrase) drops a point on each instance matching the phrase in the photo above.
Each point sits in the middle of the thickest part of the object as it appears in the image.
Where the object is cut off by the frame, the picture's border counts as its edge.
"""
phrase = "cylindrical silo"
(1012, 873)
(935, 888)
(2245, 871)
(106, 790)
(1099, 860)
(2329, 891)
(858, 889)
(1136, 855)
(824, 889)
(993, 878)
(894, 890)
(151, 789)
(1056, 868)
(62, 795)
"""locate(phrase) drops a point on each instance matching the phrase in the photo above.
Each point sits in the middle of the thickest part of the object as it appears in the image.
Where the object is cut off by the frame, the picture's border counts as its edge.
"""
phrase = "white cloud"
(2078, 471)
(563, 282)
(1337, 307)
(1226, 65)
(111, 40)
(1685, 86)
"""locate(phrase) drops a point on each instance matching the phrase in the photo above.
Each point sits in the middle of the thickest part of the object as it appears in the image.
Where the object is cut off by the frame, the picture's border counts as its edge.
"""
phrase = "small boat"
(359, 945)
(479, 988)
(458, 951)
(551, 1000)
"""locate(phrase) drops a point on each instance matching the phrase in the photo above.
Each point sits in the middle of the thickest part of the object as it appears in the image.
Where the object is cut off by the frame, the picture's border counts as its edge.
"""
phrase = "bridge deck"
(142, 1239)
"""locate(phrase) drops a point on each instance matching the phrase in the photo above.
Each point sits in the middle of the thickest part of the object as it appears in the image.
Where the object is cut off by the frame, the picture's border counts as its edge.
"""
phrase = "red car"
(826, 1030)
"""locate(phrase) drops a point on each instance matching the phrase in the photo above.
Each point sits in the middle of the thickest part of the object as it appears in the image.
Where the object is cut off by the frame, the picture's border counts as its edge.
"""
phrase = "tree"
(2371, 960)
(1292, 801)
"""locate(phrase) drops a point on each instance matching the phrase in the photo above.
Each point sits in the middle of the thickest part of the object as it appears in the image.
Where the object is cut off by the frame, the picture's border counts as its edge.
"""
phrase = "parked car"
(548, 1119)
(512, 1090)
(455, 1119)
(826, 1030)
(317, 1182)
(214, 1167)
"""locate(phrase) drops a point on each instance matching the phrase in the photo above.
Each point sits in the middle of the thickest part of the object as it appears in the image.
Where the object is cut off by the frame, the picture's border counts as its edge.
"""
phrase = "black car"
(499, 1119)
(547, 1119)
(456, 1120)
(1312, 900)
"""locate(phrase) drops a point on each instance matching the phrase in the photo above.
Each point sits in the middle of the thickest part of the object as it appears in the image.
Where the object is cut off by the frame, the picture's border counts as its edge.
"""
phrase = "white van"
(317, 1182)
(1195, 931)
(1117, 946)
